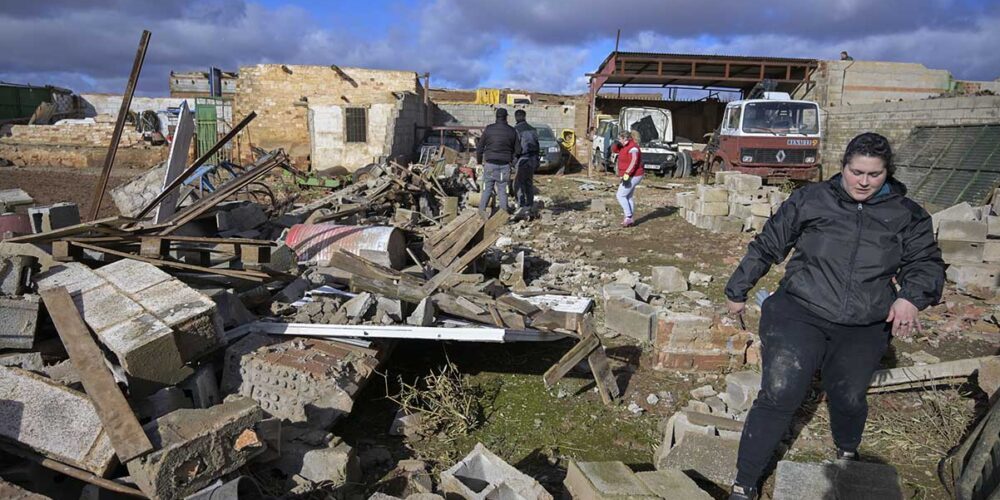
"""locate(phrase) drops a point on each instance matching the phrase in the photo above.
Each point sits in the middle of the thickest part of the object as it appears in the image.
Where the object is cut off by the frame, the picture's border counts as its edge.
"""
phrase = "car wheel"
(683, 168)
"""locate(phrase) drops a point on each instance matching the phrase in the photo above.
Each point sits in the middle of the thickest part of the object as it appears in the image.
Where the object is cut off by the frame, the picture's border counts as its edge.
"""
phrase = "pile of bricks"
(74, 134)
(735, 203)
(969, 238)
(76, 145)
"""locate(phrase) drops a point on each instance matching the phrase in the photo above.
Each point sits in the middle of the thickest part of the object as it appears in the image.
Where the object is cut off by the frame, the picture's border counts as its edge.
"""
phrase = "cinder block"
(15, 273)
(18, 322)
(978, 275)
(840, 479)
(760, 209)
(617, 290)
(604, 481)
(630, 317)
(755, 223)
(669, 279)
(993, 225)
(712, 207)
(482, 475)
(333, 463)
(51, 217)
(739, 211)
(962, 230)
(308, 381)
(712, 194)
(195, 447)
(962, 251)
(743, 183)
(57, 422)
(727, 224)
(721, 176)
(991, 251)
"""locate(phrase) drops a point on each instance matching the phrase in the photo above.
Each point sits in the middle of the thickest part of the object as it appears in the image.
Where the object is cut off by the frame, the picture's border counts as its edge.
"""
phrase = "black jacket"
(498, 144)
(528, 137)
(846, 253)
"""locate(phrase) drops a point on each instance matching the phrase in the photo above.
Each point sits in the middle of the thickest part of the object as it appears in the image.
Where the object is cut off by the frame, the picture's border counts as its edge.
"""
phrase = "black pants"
(795, 344)
(524, 187)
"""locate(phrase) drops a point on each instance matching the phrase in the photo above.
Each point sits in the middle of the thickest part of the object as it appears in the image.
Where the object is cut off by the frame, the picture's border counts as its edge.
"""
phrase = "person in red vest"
(630, 170)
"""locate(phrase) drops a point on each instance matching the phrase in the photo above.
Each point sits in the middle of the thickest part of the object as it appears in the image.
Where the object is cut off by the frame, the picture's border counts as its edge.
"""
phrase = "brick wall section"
(895, 120)
(276, 93)
(96, 134)
(78, 146)
(480, 115)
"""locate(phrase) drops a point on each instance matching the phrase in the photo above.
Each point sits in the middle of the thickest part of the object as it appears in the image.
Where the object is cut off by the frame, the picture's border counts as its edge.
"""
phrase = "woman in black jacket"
(865, 263)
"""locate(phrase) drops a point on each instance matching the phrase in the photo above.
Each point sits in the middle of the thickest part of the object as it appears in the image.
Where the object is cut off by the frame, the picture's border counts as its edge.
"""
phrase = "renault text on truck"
(775, 137)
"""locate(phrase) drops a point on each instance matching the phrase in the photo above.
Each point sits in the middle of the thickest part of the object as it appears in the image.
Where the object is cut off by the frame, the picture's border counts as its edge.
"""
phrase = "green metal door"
(208, 128)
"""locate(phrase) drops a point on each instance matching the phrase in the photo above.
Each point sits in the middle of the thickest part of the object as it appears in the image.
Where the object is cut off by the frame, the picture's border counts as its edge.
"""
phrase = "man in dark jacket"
(837, 303)
(526, 162)
(495, 152)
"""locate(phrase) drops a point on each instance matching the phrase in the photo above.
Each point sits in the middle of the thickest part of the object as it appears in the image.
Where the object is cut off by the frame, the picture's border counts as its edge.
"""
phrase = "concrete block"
(743, 183)
(57, 422)
(841, 479)
(739, 210)
(18, 322)
(701, 456)
(672, 484)
(978, 275)
(630, 317)
(644, 291)
(333, 463)
(390, 308)
(31, 361)
(617, 290)
(961, 212)
(15, 274)
(51, 217)
(712, 207)
(755, 224)
(309, 381)
(712, 193)
(741, 389)
(423, 314)
(481, 475)
(760, 196)
(721, 176)
(727, 224)
(760, 209)
(604, 480)
(993, 225)
(202, 387)
(962, 251)
(196, 446)
(962, 230)
(991, 251)
(669, 279)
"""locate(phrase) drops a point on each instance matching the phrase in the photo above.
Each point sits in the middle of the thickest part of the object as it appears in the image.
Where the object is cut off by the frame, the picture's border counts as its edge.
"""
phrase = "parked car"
(550, 150)
(607, 132)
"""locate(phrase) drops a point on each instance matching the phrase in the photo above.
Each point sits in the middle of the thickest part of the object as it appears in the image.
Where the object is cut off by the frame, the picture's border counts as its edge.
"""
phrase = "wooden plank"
(578, 353)
(444, 244)
(607, 385)
(449, 227)
(232, 273)
(68, 230)
(124, 431)
(490, 237)
(910, 375)
(455, 243)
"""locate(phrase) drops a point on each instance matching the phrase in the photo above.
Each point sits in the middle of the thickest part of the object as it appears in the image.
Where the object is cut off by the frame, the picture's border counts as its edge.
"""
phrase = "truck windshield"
(781, 118)
(650, 123)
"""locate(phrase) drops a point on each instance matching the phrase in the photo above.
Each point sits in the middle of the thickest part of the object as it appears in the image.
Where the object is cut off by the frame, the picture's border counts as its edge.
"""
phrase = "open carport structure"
(733, 73)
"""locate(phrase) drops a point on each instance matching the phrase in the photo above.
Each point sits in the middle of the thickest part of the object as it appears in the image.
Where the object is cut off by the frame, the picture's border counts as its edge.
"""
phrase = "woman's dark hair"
(870, 144)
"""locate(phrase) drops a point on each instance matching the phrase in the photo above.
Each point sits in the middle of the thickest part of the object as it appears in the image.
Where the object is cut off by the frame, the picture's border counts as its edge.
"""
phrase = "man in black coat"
(495, 151)
(526, 162)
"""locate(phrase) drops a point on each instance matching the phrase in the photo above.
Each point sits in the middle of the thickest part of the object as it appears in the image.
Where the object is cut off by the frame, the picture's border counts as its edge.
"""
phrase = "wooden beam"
(573, 357)
(922, 375)
(124, 431)
(232, 273)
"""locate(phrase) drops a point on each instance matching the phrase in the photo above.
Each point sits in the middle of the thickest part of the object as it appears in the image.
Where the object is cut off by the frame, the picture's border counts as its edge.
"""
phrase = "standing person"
(837, 306)
(495, 152)
(630, 170)
(526, 162)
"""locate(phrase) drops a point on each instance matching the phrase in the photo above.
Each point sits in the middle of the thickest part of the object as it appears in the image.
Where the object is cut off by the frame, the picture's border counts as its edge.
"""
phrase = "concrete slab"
(839, 480)
(672, 484)
(18, 322)
(604, 480)
(53, 420)
(669, 279)
(701, 456)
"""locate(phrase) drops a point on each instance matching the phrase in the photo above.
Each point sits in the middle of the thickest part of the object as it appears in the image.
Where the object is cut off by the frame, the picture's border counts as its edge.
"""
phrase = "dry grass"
(921, 428)
(450, 407)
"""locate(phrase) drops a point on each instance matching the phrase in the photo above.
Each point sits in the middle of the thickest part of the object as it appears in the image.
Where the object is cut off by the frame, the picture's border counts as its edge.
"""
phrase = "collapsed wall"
(77, 145)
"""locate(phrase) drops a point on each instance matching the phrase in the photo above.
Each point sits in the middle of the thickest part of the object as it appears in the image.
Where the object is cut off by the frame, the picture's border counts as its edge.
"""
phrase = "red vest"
(624, 158)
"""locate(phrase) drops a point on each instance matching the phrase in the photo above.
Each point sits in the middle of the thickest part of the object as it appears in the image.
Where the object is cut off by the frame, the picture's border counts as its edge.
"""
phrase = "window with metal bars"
(356, 123)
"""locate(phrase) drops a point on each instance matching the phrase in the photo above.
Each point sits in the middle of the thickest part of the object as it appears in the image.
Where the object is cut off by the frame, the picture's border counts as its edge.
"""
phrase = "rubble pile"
(969, 238)
(735, 203)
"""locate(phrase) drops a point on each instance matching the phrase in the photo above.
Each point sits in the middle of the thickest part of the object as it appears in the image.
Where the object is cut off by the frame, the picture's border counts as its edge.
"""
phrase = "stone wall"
(282, 96)
(480, 115)
(895, 120)
(77, 145)
(845, 83)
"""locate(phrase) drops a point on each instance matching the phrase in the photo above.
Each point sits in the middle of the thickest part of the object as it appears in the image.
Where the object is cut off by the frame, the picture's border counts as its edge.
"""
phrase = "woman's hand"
(903, 316)
(736, 308)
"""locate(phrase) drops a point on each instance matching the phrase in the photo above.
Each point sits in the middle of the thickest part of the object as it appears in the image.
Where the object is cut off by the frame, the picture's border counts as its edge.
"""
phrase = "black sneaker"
(742, 493)
(847, 455)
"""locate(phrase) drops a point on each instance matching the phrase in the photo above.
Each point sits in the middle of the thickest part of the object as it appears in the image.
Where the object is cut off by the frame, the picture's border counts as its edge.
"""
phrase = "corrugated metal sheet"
(385, 245)
(945, 165)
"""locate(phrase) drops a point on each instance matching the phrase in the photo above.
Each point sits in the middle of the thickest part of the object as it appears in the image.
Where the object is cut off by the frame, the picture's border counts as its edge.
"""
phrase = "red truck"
(775, 137)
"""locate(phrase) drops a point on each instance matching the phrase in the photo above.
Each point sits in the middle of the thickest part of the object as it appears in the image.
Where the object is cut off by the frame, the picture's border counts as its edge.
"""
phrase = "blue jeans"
(496, 177)
(625, 194)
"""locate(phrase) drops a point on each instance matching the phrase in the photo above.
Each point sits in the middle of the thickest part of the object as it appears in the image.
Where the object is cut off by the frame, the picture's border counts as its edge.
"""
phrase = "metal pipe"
(109, 160)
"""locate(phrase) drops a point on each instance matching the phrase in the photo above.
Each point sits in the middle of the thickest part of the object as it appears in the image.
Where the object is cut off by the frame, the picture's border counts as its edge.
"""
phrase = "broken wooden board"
(923, 375)
(490, 236)
(124, 431)
(108, 224)
(232, 273)
(607, 385)
(573, 357)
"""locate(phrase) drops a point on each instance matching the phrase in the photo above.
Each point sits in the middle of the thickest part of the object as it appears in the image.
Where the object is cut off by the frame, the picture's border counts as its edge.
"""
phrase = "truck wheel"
(684, 162)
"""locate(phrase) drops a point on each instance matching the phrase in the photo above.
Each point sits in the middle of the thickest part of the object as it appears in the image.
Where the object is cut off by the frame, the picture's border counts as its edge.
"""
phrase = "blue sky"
(542, 45)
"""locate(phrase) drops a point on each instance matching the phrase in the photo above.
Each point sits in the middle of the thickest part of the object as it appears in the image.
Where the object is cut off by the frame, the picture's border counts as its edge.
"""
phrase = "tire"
(364, 173)
(683, 168)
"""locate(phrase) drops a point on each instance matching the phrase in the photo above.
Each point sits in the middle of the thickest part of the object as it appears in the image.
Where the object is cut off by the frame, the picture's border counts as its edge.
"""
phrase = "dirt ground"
(539, 430)
(53, 185)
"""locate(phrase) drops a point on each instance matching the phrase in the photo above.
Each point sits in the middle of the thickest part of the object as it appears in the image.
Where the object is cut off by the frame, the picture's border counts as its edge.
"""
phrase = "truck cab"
(775, 137)
(604, 137)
